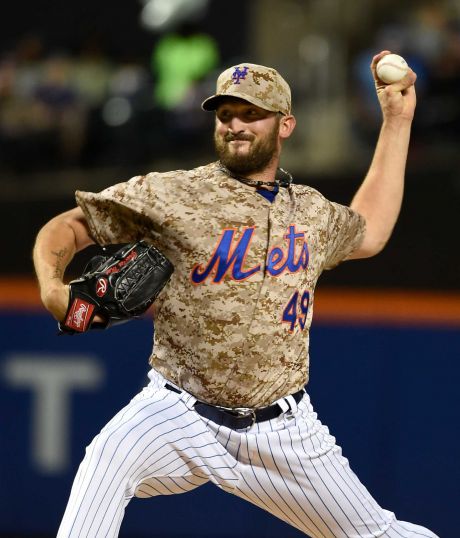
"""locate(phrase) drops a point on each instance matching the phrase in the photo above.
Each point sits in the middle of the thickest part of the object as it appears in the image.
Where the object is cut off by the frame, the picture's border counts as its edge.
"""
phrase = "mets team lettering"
(224, 258)
(279, 261)
(228, 257)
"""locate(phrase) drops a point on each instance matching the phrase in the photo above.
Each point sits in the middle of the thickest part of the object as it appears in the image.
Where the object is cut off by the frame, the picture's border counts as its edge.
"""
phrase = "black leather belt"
(238, 418)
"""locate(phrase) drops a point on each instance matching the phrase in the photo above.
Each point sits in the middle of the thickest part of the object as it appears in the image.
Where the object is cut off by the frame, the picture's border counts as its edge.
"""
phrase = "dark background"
(37, 180)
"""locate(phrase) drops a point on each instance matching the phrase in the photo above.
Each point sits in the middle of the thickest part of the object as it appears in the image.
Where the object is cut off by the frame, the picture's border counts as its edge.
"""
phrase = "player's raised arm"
(379, 197)
(55, 246)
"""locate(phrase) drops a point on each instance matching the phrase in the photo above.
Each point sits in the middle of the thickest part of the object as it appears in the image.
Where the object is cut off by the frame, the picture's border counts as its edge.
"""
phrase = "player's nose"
(236, 125)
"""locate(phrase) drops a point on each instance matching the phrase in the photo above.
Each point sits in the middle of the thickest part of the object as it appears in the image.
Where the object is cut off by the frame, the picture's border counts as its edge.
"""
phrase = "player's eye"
(224, 115)
(253, 114)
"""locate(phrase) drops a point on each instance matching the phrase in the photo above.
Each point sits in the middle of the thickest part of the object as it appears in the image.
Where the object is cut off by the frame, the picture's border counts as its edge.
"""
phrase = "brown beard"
(260, 154)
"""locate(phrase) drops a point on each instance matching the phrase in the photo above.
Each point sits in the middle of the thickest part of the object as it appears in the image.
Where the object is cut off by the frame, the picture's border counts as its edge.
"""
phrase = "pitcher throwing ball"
(226, 400)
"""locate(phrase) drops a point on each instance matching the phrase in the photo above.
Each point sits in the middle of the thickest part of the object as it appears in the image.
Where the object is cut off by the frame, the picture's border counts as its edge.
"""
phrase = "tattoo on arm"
(58, 265)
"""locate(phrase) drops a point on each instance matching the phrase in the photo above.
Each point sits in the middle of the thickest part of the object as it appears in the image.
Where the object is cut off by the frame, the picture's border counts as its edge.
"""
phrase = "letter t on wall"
(52, 379)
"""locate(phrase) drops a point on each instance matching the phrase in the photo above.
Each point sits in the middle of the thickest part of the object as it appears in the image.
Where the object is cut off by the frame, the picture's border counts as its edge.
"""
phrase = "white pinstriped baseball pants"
(289, 466)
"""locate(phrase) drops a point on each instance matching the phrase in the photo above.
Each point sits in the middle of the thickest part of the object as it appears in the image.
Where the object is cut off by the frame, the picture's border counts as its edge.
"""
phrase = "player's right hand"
(397, 100)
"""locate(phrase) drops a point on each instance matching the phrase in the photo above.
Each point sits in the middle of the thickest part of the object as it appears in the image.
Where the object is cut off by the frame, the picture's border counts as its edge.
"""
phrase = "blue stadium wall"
(388, 392)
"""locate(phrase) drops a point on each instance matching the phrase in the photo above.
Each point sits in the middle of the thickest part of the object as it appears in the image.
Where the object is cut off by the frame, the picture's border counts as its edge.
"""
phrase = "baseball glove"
(117, 288)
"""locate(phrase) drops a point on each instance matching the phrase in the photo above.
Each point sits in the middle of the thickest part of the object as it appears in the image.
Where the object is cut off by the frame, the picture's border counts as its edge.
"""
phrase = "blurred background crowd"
(93, 94)
(88, 108)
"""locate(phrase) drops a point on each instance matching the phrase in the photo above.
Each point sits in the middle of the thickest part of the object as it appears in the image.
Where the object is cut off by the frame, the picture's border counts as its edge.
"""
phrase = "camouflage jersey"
(232, 326)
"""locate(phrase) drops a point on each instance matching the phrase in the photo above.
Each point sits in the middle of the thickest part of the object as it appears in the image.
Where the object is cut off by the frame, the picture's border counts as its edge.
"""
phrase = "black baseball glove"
(117, 288)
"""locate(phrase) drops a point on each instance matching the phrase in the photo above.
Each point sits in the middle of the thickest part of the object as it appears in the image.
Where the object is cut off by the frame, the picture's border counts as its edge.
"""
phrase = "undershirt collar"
(269, 195)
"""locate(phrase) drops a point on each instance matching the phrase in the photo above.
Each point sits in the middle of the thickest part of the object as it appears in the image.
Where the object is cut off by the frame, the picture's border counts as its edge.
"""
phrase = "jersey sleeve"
(118, 214)
(345, 231)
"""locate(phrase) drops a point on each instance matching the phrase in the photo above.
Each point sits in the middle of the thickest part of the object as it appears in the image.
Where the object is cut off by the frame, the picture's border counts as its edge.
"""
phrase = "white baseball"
(391, 68)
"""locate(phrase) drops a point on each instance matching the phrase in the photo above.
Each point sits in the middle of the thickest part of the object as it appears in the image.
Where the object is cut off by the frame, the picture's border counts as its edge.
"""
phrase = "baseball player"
(226, 401)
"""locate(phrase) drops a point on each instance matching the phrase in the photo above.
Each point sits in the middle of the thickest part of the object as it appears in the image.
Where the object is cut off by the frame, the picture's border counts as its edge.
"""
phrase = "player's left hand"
(117, 288)
(397, 100)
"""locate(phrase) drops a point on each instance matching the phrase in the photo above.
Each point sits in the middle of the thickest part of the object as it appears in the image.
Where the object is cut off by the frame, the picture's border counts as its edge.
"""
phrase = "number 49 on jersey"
(296, 310)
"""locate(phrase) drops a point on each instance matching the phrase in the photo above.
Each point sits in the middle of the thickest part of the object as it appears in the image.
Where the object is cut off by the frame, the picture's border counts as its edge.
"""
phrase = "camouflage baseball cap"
(261, 86)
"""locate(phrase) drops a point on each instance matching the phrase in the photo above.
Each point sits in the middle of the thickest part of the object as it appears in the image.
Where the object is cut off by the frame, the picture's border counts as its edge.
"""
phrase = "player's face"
(246, 136)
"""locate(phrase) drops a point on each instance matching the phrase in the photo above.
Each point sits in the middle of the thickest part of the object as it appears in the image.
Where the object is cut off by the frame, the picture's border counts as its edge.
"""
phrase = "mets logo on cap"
(239, 74)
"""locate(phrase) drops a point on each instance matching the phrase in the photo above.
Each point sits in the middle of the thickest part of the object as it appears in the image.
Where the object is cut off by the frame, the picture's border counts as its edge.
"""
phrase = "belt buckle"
(244, 412)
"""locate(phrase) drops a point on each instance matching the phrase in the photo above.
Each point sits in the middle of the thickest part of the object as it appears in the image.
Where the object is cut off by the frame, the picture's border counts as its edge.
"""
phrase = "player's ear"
(287, 125)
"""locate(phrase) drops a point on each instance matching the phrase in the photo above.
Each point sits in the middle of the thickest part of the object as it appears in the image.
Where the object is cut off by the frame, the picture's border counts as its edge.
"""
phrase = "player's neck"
(266, 178)
(267, 175)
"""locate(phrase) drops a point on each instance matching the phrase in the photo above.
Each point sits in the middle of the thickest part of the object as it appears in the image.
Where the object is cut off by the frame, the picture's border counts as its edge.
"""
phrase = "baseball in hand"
(391, 68)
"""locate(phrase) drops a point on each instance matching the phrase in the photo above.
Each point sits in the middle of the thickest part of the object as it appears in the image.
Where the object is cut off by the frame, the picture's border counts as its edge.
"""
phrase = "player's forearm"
(56, 245)
(380, 196)
(54, 249)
